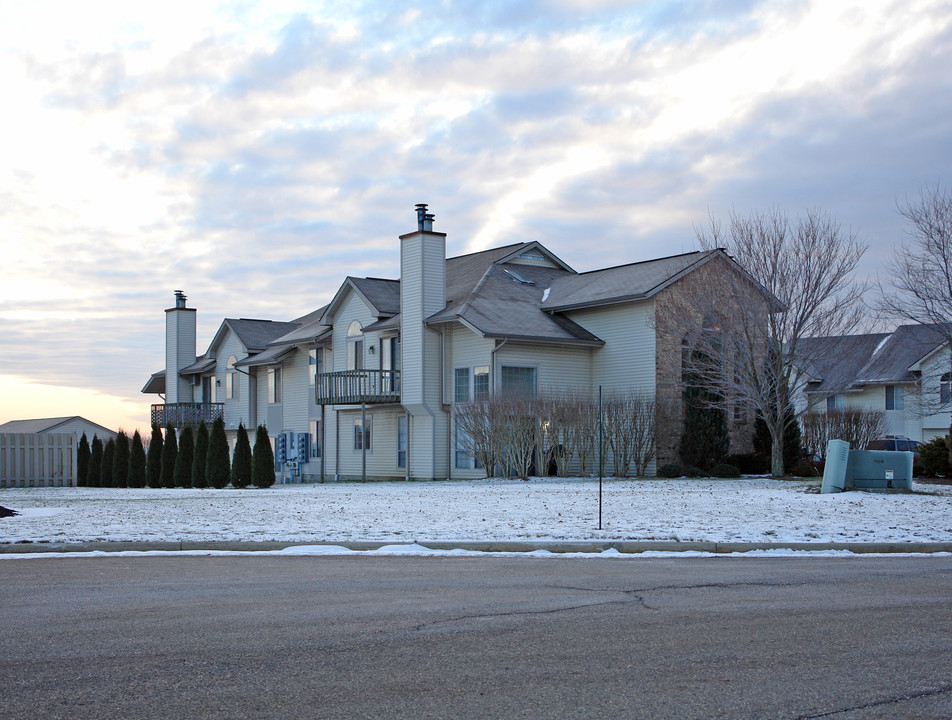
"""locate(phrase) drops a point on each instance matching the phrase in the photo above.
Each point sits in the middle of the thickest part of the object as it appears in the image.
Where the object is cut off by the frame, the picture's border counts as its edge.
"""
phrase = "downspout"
(492, 364)
(449, 419)
(323, 439)
(337, 443)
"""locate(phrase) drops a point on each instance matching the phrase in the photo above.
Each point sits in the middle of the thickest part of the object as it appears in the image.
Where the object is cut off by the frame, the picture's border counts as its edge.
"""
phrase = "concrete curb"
(510, 546)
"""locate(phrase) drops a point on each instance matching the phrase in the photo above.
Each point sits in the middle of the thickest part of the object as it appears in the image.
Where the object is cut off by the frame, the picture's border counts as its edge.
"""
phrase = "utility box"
(865, 469)
(880, 469)
(837, 464)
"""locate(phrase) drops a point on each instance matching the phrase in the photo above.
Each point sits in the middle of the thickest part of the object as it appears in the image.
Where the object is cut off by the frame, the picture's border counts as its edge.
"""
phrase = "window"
(355, 346)
(212, 389)
(390, 363)
(315, 362)
(945, 389)
(481, 382)
(363, 434)
(315, 430)
(464, 460)
(519, 380)
(461, 391)
(835, 402)
(471, 384)
(895, 399)
(402, 441)
(274, 385)
(231, 380)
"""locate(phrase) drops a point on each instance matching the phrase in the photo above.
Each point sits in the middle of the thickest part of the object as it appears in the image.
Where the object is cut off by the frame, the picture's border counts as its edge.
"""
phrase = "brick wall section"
(676, 311)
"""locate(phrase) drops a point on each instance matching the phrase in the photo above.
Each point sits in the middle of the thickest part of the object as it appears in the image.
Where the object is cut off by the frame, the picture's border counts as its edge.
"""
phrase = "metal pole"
(363, 442)
(601, 462)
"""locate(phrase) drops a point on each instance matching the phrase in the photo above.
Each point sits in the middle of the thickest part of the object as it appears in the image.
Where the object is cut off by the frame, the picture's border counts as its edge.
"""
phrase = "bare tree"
(856, 426)
(789, 280)
(629, 421)
(920, 291)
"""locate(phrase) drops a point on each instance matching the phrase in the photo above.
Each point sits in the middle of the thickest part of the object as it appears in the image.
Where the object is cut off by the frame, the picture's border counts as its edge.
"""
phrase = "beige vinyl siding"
(559, 367)
(627, 360)
(382, 457)
(464, 348)
(352, 308)
(236, 410)
(179, 353)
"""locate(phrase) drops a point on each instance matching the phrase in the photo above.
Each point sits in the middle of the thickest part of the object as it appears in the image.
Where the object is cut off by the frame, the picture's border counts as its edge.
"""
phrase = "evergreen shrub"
(216, 463)
(724, 470)
(154, 458)
(169, 454)
(82, 461)
(137, 462)
(934, 457)
(241, 461)
(670, 470)
(182, 475)
(200, 456)
(262, 470)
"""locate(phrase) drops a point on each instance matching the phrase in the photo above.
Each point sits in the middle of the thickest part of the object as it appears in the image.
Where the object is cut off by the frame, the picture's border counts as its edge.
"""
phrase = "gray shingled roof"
(309, 329)
(256, 334)
(155, 383)
(617, 284)
(851, 361)
(835, 362)
(202, 364)
(43, 425)
(268, 356)
(383, 294)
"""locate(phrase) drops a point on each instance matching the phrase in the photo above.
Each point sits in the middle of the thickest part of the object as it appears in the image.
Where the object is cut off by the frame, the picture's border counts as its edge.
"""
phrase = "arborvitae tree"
(108, 461)
(217, 464)
(200, 456)
(183, 461)
(94, 476)
(704, 441)
(169, 453)
(241, 461)
(154, 464)
(82, 461)
(262, 471)
(136, 462)
(120, 463)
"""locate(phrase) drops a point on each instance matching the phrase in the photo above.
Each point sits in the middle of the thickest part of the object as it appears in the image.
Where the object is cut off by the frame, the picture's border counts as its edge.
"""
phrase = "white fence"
(37, 460)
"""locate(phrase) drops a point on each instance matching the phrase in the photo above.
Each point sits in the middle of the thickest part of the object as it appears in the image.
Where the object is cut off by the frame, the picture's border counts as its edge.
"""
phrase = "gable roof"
(381, 295)
(46, 425)
(622, 283)
(849, 362)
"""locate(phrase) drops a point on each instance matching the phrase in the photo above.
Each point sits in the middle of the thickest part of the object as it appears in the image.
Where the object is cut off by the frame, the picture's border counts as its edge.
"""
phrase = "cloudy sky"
(253, 154)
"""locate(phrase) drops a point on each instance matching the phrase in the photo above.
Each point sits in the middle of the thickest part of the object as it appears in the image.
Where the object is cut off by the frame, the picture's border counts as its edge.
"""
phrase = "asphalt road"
(377, 637)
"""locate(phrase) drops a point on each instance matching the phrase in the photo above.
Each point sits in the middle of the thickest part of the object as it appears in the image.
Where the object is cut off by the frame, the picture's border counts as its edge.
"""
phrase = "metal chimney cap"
(180, 299)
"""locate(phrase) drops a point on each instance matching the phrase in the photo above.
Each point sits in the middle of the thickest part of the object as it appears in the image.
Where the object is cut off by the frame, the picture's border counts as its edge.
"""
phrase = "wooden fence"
(37, 460)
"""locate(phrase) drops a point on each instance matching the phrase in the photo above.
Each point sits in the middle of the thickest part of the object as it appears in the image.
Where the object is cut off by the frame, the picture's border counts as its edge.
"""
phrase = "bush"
(241, 460)
(705, 440)
(169, 453)
(750, 463)
(120, 461)
(670, 470)
(723, 470)
(934, 457)
(154, 458)
(82, 461)
(200, 456)
(182, 475)
(108, 460)
(694, 472)
(136, 462)
(808, 469)
(217, 463)
(94, 476)
(262, 463)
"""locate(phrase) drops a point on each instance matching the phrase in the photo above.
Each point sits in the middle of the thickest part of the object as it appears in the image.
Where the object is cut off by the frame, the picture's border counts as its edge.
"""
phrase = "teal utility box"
(865, 469)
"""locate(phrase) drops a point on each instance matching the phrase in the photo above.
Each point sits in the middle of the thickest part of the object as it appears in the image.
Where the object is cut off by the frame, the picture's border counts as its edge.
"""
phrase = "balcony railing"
(181, 414)
(351, 387)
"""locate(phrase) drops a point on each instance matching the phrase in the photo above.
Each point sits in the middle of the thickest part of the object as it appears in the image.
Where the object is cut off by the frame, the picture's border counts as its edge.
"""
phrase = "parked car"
(895, 442)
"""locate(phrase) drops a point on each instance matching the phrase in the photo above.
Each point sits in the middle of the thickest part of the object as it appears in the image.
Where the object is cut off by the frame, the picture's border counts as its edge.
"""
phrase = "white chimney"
(179, 349)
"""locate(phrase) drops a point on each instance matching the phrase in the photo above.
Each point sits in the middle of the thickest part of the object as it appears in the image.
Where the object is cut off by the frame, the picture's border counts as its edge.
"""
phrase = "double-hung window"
(231, 380)
(315, 361)
(363, 433)
(274, 385)
(402, 441)
(945, 389)
(895, 398)
(315, 430)
(470, 383)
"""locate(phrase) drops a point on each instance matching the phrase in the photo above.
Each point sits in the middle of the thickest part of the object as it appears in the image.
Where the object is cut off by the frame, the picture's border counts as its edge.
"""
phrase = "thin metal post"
(601, 460)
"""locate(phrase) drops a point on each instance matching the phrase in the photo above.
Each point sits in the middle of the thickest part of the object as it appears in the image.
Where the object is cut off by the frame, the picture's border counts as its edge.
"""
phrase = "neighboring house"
(42, 452)
(367, 385)
(905, 373)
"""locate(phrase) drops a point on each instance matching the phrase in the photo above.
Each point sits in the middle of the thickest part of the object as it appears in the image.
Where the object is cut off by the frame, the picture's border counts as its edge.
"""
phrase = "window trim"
(367, 435)
(535, 376)
(896, 398)
(402, 438)
(274, 386)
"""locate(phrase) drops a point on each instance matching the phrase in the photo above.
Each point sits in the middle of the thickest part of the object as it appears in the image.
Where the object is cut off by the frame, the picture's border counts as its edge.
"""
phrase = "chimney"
(179, 349)
(422, 294)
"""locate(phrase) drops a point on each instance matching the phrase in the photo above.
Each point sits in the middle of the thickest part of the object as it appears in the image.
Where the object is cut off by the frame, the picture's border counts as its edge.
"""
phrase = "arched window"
(231, 379)
(355, 346)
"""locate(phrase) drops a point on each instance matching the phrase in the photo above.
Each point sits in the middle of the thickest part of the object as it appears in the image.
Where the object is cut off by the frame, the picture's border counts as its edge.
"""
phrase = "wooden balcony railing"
(179, 415)
(352, 387)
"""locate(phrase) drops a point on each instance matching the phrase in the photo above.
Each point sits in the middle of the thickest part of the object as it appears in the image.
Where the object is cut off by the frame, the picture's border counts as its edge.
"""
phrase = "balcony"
(181, 414)
(353, 387)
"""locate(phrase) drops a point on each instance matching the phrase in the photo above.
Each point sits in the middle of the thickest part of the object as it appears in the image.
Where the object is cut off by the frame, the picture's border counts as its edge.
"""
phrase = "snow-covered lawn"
(748, 510)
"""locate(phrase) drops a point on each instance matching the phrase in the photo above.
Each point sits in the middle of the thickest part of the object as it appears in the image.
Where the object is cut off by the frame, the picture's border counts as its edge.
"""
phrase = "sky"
(254, 154)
